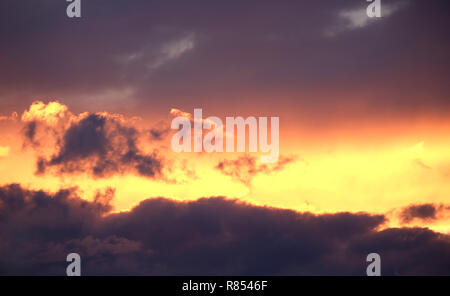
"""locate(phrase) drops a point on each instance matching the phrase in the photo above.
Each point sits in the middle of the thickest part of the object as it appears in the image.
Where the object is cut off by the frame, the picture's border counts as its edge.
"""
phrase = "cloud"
(43, 122)
(245, 168)
(51, 113)
(424, 212)
(356, 18)
(179, 113)
(102, 144)
(209, 236)
(160, 131)
(29, 131)
(156, 56)
(99, 144)
(173, 50)
(421, 164)
(12, 117)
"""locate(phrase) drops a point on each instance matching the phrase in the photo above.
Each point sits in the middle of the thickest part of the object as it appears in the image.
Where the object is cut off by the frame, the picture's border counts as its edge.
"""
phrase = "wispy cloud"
(356, 18)
(245, 168)
(12, 117)
(155, 55)
(173, 50)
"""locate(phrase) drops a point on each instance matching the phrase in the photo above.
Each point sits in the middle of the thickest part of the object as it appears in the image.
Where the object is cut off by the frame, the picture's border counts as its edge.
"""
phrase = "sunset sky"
(85, 113)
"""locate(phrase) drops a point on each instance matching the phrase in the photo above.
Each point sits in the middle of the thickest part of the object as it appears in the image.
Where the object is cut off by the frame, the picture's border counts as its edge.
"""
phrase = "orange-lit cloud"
(364, 108)
(12, 117)
(100, 144)
(245, 168)
(51, 113)
(347, 173)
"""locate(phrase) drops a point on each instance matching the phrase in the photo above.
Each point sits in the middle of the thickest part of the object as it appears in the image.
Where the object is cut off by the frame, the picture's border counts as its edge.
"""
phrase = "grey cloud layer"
(210, 236)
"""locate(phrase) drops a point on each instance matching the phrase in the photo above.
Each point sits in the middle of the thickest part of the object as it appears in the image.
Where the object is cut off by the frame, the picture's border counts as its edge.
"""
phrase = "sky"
(86, 163)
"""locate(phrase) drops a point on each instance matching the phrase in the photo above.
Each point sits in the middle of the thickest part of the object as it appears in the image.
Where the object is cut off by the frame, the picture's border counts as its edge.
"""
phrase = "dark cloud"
(102, 145)
(245, 168)
(210, 236)
(160, 131)
(424, 212)
(158, 134)
(29, 132)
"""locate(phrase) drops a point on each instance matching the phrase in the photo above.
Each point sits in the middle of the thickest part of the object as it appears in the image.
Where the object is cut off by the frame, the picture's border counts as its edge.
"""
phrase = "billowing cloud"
(180, 113)
(101, 144)
(245, 168)
(209, 236)
(51, 113)
(177, 112)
